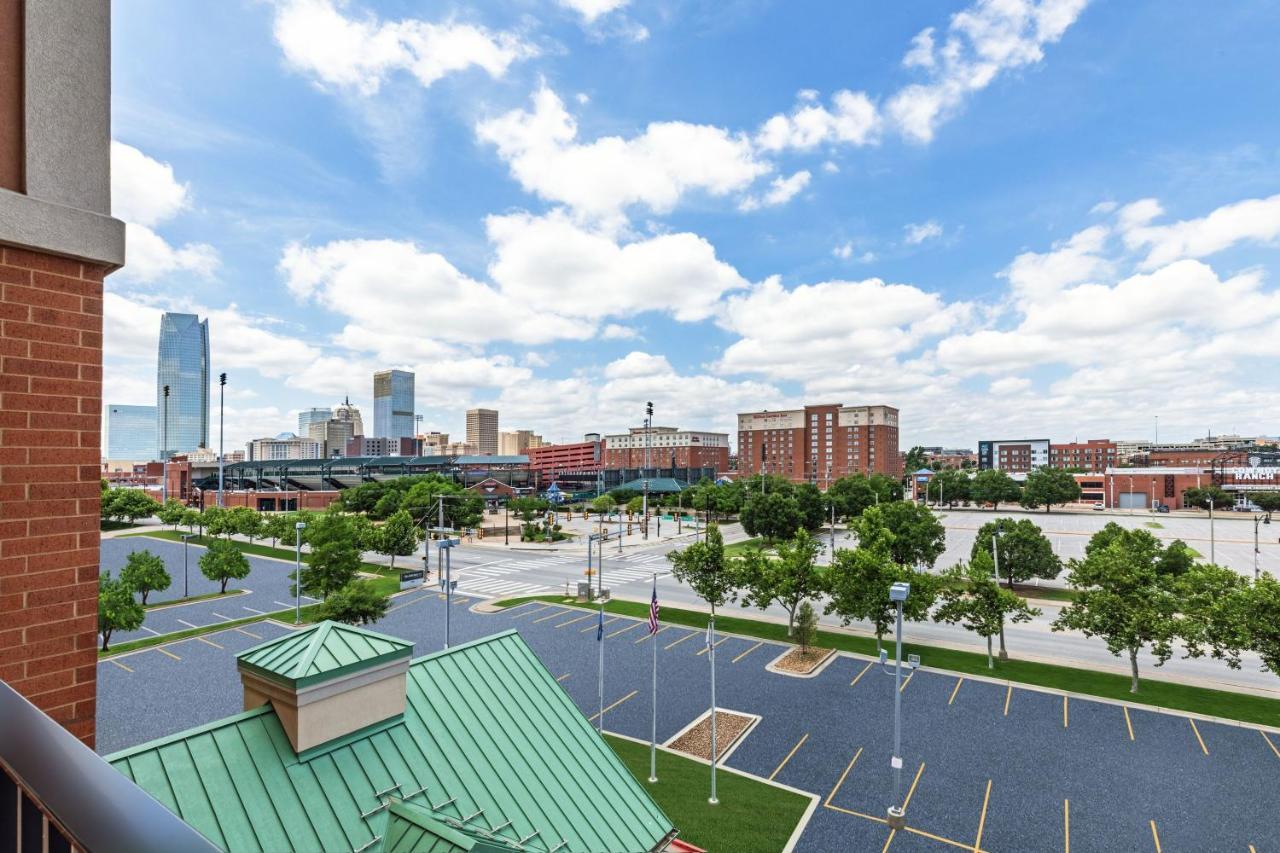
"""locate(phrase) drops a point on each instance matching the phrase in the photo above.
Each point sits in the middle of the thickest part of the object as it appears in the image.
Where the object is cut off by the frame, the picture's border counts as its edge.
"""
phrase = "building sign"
(1254, 473)
(412, 578)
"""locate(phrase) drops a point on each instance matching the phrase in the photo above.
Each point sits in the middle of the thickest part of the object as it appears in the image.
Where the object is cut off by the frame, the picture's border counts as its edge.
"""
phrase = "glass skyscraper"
(183, 365)
(307, 417)
(393, 404)
(131, 432)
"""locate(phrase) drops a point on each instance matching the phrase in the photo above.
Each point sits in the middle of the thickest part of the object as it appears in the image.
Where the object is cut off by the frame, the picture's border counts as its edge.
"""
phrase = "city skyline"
(1003, 249)
(182, 391)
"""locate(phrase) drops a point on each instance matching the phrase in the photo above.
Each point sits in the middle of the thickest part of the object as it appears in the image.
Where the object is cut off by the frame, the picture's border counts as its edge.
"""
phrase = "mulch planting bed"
(697, 740)
(803, 662)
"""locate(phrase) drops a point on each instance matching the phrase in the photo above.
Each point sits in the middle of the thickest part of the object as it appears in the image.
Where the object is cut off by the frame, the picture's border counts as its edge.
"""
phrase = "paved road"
(1006, 769)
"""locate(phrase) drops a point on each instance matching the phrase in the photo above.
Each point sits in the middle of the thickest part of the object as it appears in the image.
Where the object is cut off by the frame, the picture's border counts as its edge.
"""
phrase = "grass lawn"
(737, 549)
(1154, 524)
(189, 599)
(310, 613)
(1166, 694)
(751, 815)
(255, 549)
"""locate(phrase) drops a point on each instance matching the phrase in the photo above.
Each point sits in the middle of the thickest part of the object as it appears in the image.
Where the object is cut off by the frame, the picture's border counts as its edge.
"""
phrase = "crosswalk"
(504, 578)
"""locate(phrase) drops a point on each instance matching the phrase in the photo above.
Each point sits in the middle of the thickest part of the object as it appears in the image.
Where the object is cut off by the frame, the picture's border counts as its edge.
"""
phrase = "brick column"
(50, 464)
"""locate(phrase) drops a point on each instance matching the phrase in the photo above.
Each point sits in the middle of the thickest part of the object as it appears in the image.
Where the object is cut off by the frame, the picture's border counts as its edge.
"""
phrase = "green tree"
(635, 506)
(993, 486)
(972, 598)
(144, 573)
(335, 554)
(172, 512)
(117, 609)
(788, 581)
(886, 489)
(1177, 559)
(701, 566)
(1199, 497)
(850, 496)
(774, 515)
(357, 603)
(806, 630)
(811, 506)
(528, 507)
(223, 562)
(277, 526)
(1122, 599)
(858, 584)
(245, 521)
(1025, 552)
(1048, 486)
(387, 505)
(397, 537)
(1214, 607)
(128, 505)
(915, 536)
(602, 505)
(916, 459)
(1260, 618)
(1268, 502)
(193, 518)
(217, 521)
(950, 487)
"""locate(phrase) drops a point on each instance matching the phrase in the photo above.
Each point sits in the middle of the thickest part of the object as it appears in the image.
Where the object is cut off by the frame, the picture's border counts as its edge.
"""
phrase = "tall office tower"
(131, 432)
(482, 431)
(183, 365)
(393, 404)
(348, 413)
(333, 434)
(307, 417)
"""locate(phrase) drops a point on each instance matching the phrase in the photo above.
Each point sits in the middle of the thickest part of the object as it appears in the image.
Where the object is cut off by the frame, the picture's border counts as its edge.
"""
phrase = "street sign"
(412, 578)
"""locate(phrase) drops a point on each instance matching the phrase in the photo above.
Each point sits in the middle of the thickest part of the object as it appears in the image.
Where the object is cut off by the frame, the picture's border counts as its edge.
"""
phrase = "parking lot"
(987, 766)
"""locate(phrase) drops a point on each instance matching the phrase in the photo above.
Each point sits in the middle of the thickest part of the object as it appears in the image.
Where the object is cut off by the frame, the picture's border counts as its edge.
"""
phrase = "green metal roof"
(658, 485)
(489, 743)
(413, 829)
(325, 651)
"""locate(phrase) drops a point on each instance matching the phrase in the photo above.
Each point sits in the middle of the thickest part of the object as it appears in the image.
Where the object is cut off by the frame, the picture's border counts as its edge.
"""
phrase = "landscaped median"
(310, 613)
(1228, 705)
(751, 816)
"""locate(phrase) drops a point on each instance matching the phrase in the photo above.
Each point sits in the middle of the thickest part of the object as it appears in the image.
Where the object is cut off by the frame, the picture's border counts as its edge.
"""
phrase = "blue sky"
(1054, 218)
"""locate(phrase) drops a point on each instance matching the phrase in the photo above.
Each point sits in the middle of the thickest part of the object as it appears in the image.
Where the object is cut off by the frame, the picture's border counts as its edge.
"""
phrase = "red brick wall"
(50, 419)
(689, 456)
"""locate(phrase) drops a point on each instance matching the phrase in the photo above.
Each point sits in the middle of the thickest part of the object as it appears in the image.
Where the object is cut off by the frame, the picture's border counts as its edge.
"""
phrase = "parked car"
(1160, 508)
(1098, 506)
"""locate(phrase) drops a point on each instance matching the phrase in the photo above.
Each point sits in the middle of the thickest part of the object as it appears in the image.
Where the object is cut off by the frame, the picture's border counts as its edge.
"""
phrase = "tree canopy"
(1025, 552)
(144, 573)
(357, 603)
(701, 566)
(1200, 496)
(223, 562)
(117, 609)
(972, 598)
(397, 537)
(914, 537)
(859, 581)
(788, 580)
(1048, 486)
(993, 486)
(335, 556)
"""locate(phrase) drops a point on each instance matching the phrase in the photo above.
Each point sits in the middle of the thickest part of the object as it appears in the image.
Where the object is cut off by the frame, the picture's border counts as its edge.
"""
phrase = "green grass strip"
(751, 816)
(310, 613)
(254, 549)
(1229, 705)
(174, 602)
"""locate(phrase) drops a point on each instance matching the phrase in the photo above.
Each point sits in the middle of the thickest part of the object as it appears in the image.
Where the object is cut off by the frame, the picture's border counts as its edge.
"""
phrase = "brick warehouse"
(57, 242)
(819, 444)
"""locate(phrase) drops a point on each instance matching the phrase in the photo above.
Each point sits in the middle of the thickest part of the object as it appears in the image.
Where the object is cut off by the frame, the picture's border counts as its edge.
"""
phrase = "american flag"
(653, 610)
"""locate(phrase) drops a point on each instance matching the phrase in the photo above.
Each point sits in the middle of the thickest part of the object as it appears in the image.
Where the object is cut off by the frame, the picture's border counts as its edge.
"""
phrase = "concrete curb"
(772, 666)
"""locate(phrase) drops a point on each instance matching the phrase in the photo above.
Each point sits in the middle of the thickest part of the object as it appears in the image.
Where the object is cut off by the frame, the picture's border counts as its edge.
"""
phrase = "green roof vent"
(328, 681)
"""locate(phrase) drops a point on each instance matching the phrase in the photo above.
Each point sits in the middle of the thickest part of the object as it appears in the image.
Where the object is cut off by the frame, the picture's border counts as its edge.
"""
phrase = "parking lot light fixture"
(897, 818)
(186, 540)
(298, 527)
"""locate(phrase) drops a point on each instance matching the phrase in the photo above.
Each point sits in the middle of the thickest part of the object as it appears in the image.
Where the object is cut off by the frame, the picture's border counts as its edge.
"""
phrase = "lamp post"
(506, 521)
(186, 538)
(164, 445)
(1212, 539)
(222, 394)
(298, 527)
(1257, 519)
(445, 547)
(648, 438)
(995, 554)
(897, 818)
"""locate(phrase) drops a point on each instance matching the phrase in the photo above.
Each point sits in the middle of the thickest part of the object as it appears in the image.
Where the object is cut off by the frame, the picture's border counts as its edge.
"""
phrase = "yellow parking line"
(840, 781)
(1155, 836)
(982, 820)
(249, 633)
(923, 834)
(1007, 697)
(905, 803)
(122, 666)
(611, 707)
(647, 635)
(859, 675)
(704, 649)
(170, 654)
(747, 652)
(630, 627)
(681, 640)
(1203, 748)
(956, 690)
(571, 621)
(209, 642)
(593, 627)
(1064, 712)
(563, 677)
(1269, 743)
(555, 615)
(1128, 722)
(799, 744)
(1066, 826)
(908, 681)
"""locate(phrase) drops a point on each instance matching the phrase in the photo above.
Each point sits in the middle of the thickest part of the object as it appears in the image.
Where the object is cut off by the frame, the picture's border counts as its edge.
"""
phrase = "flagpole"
(653, 725)
(714, 753)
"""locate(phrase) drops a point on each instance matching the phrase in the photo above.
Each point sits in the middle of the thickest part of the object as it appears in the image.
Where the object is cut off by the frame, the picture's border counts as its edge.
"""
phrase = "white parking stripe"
(254, 610)
(149, 631)
(188, 624)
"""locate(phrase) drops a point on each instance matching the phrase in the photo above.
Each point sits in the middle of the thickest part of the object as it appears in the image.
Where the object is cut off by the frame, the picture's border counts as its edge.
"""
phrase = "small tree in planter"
(806, 628)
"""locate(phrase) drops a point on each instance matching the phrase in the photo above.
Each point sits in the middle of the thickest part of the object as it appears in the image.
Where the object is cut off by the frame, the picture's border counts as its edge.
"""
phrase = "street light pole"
(222, 394)
(186, 539)
(1257, 519)
(164, 442)
(648, 438)
(297, 577)
(897, 819)
(1212, 539)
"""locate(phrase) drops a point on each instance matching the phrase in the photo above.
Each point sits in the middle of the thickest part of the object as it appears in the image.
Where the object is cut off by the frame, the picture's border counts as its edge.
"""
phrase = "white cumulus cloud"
(917, 232)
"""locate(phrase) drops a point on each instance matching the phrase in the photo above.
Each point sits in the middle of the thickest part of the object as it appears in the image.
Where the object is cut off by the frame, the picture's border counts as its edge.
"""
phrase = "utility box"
(584, 590)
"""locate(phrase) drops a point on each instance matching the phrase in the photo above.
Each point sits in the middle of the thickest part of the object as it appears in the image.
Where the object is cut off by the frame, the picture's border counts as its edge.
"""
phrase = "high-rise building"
(131, 432)
(393, 404)
(183, 367)
(482, 431)
(307, 417)
(820, 444)
(1014, 455)
(284, 446)
(433, 443)
(333, 435)
(517, 442)
(58, 242)
(668, 447)
(350, 414)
